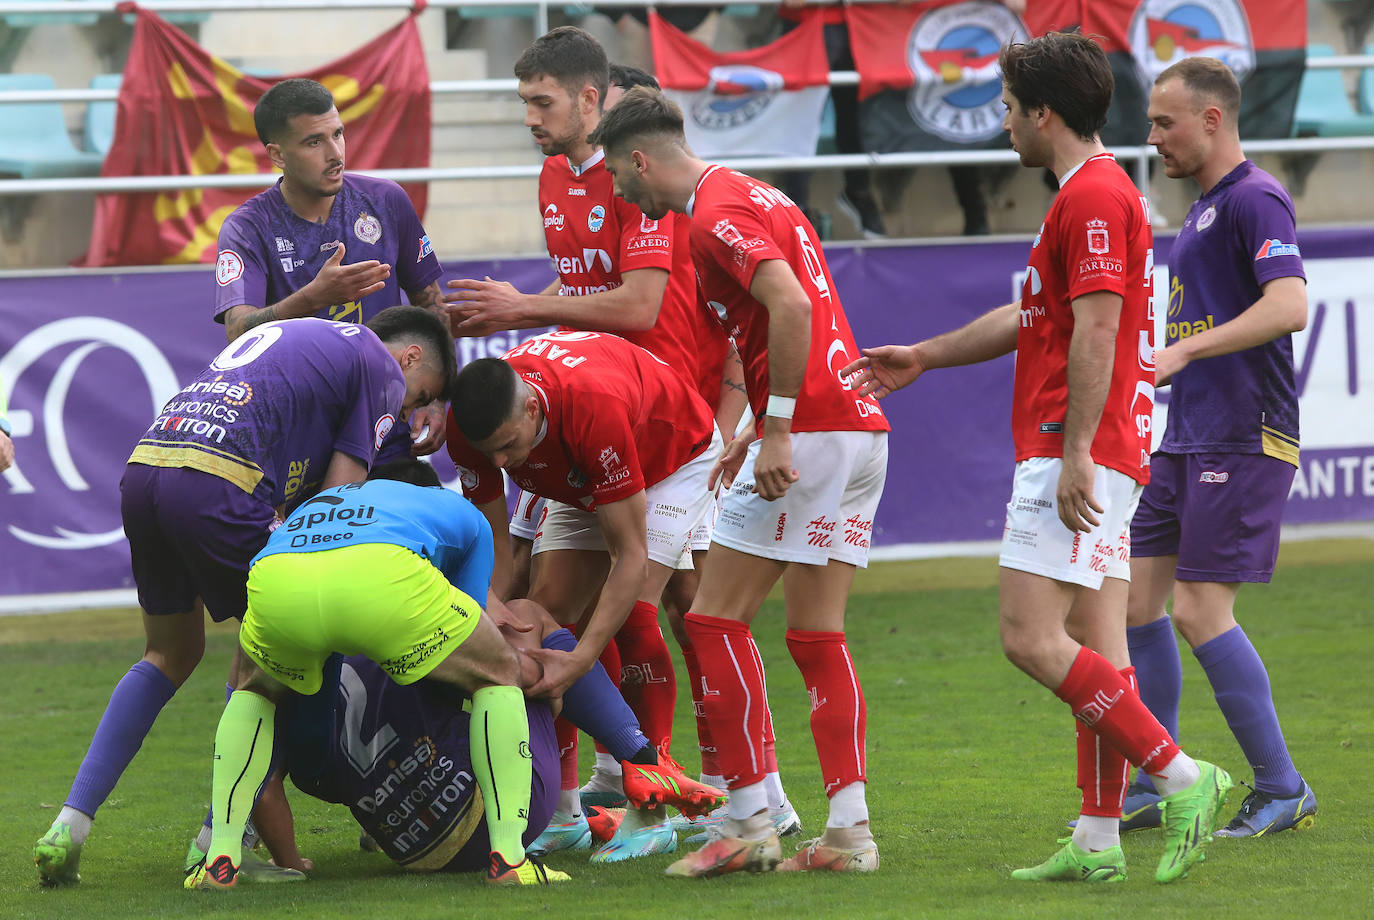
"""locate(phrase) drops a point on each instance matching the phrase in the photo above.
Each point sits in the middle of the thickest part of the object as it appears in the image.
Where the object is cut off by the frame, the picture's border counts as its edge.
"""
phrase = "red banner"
(182, 111)
(929, 79)
(766, 101)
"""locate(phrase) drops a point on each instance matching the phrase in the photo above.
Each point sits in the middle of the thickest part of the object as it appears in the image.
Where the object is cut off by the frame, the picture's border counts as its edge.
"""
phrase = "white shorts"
(673, 510)
(700, 541)
(1036, 541)
(826, 514)
(529, 513)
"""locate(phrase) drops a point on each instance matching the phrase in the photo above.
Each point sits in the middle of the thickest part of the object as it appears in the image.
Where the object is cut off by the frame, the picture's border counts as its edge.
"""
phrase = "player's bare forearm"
(623, 527)
(775, 286)
(631, 307)
(1092, 354)
(275, 823)
(989, 336)
(734, 397)
(431, 297)
(343, 470)
(240, 319)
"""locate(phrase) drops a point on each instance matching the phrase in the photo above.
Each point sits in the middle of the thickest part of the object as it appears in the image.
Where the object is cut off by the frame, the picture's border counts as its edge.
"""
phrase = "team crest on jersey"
(1164, 32)
(1099, 244)
(735, 94)
(228, 267)
(577, 479)
(383, 428)
(367, 228)
(596, 218)
(647, 225)
(952, 52)
(1206, 217)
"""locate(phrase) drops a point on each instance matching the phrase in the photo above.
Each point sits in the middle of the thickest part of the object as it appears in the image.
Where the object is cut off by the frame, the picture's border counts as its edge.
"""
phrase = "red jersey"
(616, 421)
(739, 222)
(594, 237)
(1096, 237)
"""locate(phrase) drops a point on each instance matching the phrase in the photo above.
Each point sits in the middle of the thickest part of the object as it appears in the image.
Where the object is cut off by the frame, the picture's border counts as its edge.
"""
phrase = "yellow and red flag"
(183, 111)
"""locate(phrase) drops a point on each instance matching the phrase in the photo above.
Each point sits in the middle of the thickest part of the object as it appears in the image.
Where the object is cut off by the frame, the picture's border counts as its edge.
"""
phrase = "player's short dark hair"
(642, 113)
(1208, 78)
(408, 469)
(416, 324)
(1066, 72)
(571, 56)
(627, 77)
(284, 102)
(484, 397)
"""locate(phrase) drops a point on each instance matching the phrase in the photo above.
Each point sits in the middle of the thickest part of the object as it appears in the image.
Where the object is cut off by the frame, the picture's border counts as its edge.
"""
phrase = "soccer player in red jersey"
(1081, 407)
(620, 272)
(761, 269)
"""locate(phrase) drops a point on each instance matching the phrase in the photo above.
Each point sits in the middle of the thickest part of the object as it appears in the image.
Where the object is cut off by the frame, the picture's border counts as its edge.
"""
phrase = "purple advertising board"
(87, 358)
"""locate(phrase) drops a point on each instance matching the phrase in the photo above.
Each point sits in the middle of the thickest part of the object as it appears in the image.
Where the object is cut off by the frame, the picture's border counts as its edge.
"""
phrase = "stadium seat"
(29, 20)
(100, 116)
(1366, 91)
(742, 10)
(497, 12)
(825, 143)
(36, 144)
(1324, 108)
(187, 18)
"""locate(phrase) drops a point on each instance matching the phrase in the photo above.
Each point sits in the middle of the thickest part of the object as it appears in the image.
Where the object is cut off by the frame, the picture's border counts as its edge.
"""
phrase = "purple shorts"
(546, 778)
(1219, 513)
(191, 535)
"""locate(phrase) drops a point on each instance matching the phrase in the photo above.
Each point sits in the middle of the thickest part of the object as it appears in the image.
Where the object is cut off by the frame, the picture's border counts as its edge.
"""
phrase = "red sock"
(1102, 699)
(709, 764)
(610, 660)
(839, 718)
(732, 668)
(567, 752)
(647, 679)
(1102, 769)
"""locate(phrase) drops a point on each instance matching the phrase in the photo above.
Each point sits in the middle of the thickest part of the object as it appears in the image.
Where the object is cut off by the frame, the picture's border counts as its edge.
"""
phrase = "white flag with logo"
(762, 102)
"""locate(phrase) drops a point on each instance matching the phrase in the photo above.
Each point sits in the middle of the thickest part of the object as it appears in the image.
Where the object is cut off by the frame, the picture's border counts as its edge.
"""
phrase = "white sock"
(710, 779)
(848, 807)
(569, 803)
(1177, 775)
(78, 822)
(607, 764)
(776, 797)
(636, 818)
(1094, 833)
(746, 801)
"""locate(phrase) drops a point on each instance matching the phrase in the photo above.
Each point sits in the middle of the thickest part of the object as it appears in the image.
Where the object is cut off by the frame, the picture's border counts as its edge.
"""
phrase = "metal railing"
(1140, 155)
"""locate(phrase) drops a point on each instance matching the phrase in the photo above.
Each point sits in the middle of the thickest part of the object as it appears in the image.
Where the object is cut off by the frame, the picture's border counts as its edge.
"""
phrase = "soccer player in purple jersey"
(285, 410)
(1209, 518)
(282, 252)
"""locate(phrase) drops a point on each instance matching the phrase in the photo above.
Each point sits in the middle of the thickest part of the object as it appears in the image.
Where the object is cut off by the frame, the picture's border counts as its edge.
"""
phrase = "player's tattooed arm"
(240, 319)
(430, 297)
(733, 396)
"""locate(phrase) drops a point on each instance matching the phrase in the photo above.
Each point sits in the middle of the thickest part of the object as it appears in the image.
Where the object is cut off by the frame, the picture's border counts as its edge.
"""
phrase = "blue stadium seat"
(100, 116)
(29, 20)
(1366, 92)
(1324, 108)
(36, 144)
(181, 19)
(825, 144)
(740, 9)
(498, 12)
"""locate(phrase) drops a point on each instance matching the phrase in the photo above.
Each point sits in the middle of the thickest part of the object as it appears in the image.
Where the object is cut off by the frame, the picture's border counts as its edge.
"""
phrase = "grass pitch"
(970, 763)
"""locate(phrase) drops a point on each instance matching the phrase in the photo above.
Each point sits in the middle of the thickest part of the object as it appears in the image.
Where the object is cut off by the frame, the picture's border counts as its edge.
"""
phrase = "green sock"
(500, 739)
(243, 754)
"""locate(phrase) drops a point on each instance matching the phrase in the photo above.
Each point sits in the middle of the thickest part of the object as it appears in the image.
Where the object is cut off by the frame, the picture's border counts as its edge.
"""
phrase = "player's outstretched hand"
(727, 465)
(483, 307)
(427, 428)
(338, 283)
(883, 370)
(773, 472)
(1074, 493)
(561, 671)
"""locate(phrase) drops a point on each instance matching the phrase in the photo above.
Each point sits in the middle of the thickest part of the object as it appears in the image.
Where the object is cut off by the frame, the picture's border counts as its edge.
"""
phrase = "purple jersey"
(273, 407)
(1237, 237)
(267, 251)
(400, 759)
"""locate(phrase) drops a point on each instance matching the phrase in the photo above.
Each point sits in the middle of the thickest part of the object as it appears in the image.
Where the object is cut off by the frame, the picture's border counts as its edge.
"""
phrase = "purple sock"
(595, 706)
(1241, 686)
(1158, 673)
(137, 699)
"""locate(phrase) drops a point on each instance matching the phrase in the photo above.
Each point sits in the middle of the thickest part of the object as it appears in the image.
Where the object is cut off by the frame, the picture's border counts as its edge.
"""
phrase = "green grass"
(971, 768)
